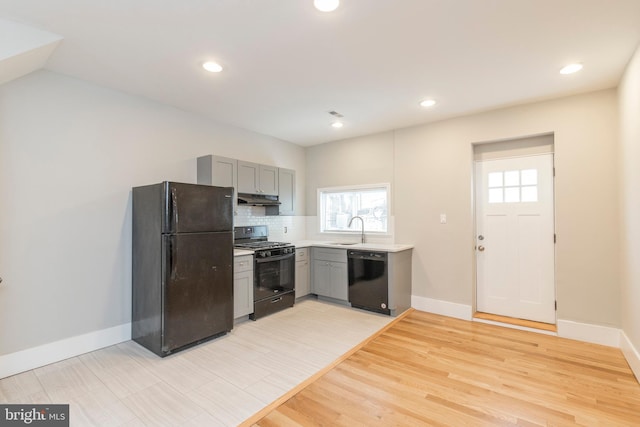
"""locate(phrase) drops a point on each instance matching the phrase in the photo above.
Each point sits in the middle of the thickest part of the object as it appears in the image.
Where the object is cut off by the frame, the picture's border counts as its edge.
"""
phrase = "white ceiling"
(287, 65)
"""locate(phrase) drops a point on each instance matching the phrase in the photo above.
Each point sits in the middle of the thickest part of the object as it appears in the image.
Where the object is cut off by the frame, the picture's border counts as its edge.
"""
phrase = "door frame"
(525, 143)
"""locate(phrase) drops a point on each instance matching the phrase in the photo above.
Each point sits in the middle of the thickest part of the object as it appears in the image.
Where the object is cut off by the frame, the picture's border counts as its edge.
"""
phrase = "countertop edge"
(383, 247)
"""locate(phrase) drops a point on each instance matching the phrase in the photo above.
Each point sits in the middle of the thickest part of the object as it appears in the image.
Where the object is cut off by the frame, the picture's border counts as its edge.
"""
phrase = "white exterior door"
(515, 237)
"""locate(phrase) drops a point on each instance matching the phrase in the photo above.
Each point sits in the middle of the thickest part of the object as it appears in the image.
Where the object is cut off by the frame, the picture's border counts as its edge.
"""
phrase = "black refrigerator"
(182, 271)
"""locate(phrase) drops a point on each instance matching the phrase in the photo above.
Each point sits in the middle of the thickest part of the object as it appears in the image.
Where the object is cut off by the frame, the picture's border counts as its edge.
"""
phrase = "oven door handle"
(274, 258)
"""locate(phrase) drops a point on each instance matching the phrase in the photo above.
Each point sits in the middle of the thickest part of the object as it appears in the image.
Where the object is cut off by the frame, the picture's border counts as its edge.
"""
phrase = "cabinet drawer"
(302, 254)
(325, 254)
(242, 263)
(272, 305)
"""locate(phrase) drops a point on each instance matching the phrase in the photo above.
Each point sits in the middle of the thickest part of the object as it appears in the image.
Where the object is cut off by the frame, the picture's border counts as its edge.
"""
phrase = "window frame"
(352, 188)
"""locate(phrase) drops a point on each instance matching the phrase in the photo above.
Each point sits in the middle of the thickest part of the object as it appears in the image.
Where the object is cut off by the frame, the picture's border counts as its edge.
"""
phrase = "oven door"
(273, 276)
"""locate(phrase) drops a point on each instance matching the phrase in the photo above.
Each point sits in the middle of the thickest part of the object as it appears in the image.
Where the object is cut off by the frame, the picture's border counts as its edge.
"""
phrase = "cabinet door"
(321, 278)
(287, 191)
(242, 293)
(216, 170)
(339, 281)
(224, 172)
(248, 177)
(302, 278)
(268, 181)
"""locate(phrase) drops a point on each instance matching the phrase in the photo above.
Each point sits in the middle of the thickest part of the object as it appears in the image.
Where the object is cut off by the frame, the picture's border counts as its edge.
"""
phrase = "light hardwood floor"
(219, 383)
(432, 370)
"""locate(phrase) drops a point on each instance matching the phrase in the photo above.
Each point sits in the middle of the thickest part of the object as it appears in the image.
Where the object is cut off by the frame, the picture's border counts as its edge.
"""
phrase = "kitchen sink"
(343, 243)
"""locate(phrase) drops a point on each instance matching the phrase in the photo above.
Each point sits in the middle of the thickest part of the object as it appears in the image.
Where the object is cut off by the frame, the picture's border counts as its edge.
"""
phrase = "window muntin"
(338, 205)
(513, 186)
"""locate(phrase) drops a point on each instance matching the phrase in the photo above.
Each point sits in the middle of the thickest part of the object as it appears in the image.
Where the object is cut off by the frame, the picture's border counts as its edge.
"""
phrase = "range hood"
(257, 200)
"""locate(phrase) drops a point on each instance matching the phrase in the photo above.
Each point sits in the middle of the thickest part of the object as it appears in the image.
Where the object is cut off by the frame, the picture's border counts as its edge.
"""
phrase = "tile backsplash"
(281, 228)
(296, 228)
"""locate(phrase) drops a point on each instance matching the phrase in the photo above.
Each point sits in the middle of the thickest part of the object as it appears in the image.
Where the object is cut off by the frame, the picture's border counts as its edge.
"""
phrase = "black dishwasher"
(368, 281)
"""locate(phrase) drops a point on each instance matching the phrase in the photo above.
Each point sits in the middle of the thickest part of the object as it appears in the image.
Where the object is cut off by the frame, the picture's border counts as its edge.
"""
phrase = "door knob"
(481, 248)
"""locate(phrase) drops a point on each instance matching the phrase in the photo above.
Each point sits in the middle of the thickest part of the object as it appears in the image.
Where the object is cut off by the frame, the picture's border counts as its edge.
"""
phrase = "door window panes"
(511, 178)
(513, 186)
(512, 194)
(495, 179)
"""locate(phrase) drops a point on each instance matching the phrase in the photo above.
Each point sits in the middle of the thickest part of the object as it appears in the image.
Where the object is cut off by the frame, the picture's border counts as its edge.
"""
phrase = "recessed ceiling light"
(337, 125)
(428, 103)
(571, 68)
(326, 5)
(212, 67)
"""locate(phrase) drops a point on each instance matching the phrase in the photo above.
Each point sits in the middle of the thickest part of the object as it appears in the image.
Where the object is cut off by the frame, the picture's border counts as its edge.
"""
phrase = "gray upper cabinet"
(248, 177)
(254, 178)
(287, 191)
(269, 180)
(216, 170)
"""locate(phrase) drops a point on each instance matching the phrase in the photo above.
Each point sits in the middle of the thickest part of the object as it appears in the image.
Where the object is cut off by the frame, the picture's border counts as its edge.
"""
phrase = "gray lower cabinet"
(303, 284)
(242, 286)
(329, 273)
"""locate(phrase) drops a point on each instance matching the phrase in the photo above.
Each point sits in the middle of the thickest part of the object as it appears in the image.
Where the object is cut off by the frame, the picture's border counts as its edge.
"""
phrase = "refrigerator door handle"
(172, 257)
(174, 206)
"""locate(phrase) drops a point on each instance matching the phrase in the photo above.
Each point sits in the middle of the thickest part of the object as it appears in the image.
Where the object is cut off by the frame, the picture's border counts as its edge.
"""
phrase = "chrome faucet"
(361, 220)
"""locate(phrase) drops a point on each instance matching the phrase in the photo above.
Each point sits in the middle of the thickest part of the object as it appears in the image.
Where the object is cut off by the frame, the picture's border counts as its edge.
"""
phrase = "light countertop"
(241, 252)
(383, 247)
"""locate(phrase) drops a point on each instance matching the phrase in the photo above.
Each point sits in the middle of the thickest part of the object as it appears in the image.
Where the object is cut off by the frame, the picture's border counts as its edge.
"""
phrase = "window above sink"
(338, 205)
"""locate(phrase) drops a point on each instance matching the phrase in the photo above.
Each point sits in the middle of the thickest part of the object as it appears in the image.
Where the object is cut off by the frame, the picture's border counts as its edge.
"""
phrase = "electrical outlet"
(443, 218)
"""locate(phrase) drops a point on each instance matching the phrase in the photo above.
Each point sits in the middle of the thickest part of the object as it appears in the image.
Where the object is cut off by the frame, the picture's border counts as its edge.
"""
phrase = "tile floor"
(219, 383)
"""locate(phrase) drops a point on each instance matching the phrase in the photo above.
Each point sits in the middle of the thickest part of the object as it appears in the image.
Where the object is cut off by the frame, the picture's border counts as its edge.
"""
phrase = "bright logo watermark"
(34, 415)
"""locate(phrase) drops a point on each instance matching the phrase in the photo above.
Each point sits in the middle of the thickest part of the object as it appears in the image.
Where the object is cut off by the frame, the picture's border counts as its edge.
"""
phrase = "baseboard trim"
(631, 354)
(35, 357)
(595, 334)
(445, 308)
(586, 332)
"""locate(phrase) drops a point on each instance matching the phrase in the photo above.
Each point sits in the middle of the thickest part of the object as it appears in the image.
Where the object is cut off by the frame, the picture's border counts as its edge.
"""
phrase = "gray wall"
(430, 169)
(70, 152)
(629, 93)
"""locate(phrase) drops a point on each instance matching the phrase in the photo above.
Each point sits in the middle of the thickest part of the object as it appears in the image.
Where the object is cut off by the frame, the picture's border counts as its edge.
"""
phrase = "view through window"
(339, 205)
